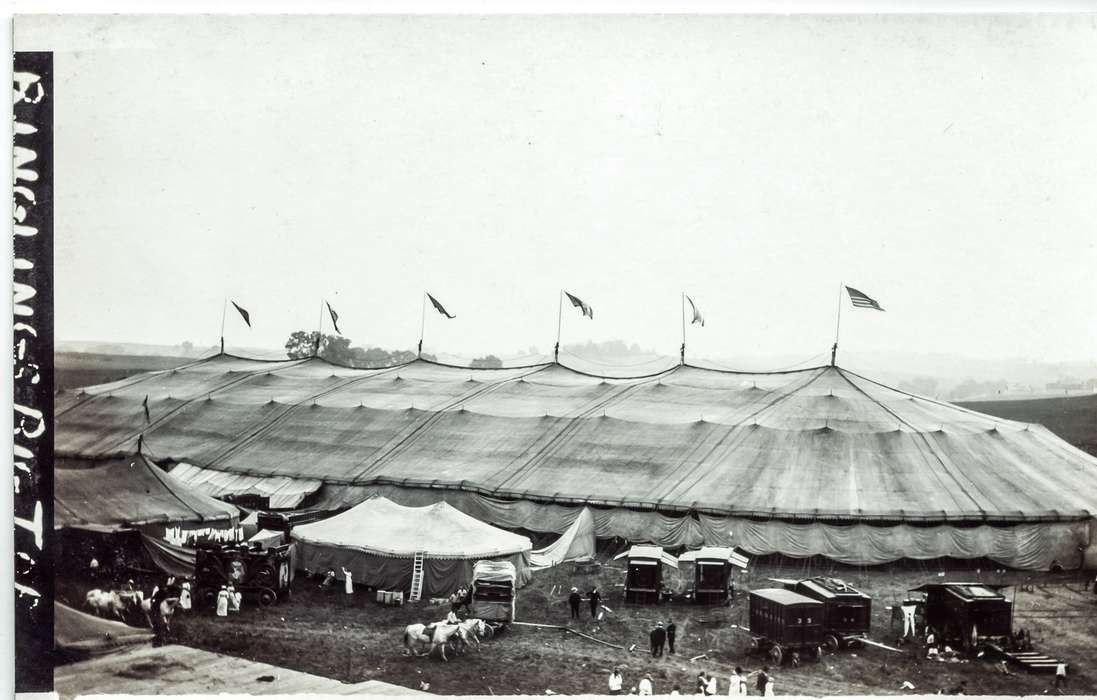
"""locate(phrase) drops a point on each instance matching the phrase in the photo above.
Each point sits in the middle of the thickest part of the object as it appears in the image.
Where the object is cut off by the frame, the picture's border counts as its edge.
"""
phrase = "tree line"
(337, 349)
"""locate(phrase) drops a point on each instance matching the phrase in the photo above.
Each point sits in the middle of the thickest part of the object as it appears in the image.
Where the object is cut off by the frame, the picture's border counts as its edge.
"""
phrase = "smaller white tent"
(377, 541)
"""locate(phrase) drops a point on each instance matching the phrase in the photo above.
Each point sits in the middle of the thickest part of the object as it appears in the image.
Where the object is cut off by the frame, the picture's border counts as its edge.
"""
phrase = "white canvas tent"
(378, 540)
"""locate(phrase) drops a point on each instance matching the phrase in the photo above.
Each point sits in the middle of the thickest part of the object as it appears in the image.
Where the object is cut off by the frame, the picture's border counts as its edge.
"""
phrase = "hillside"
(77, 369)
(1073, 418)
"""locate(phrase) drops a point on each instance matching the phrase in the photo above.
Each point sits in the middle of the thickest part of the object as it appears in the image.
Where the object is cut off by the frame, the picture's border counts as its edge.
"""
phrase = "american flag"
(862, 300)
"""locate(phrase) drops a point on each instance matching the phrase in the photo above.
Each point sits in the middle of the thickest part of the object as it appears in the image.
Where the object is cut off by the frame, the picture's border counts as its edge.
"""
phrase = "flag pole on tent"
(224, 307)
(559, 320)
(837, 328)
(683, 328)
(319, 330)
(422, 325)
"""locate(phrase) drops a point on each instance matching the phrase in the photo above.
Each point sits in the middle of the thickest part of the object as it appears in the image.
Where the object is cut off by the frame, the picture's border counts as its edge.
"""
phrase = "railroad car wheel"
(776, 655)
(267, 597)
(831, 643)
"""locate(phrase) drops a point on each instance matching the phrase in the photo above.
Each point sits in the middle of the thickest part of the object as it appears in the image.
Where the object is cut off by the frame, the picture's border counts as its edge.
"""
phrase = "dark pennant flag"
(580, 304)
(243, 314)
(862, 300)
(145, 405)
(697, 317)
(439, 308)
(334, 318)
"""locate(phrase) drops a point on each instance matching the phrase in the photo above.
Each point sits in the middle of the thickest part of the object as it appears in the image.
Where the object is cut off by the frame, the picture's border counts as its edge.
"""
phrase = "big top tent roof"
(440, 531)
(816, 444)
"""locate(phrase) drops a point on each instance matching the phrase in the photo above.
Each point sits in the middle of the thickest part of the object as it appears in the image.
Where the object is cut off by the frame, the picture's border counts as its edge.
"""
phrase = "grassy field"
(1073, 418)
(73, 370)
(322, 634)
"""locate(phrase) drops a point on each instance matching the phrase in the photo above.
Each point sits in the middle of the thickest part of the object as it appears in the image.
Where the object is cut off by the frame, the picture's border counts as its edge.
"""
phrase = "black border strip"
(33, 355)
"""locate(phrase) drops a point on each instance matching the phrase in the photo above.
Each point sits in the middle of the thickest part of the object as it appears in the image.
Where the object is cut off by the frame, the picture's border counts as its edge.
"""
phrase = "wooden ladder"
(417, 577)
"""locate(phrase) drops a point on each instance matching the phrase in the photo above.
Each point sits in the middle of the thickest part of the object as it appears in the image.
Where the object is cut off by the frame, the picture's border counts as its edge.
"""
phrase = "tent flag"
(580, 304)
(862, 300)
(697, 317)
(334, 318)
(145, 405)
(439, 308)
(243, 313)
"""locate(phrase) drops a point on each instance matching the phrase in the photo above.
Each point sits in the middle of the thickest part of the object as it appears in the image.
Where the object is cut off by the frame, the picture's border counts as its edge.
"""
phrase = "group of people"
(575, 601)
(707, 684)
(229, 600)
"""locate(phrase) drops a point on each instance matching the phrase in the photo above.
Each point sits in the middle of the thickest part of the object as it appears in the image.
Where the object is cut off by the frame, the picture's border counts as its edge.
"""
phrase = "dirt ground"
(323, 634)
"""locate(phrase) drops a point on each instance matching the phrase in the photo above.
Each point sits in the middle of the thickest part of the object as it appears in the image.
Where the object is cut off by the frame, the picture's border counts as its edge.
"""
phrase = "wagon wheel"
(265, 575)
(795, 658)
(816, 653)
(832, 643)
(755, 644)
(267, 597)
(776, 655)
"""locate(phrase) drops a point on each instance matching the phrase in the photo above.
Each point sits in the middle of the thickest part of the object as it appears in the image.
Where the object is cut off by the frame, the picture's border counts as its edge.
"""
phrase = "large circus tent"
(818, 461)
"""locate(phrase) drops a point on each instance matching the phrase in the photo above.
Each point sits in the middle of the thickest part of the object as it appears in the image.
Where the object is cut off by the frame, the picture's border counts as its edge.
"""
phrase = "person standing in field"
(573, 600)
(615, 681)
(657, 637)
(223, 602)
(672, 632)
(646, 687)
(595, 602)
(763, 680)
(1060, 675)
(712, 686)
(737, 683)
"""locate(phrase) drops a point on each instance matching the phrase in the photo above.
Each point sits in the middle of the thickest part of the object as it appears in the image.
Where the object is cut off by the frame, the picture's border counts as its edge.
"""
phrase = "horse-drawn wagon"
(494, 592)
(967, 614)
(847, 612)
(712, 570)
(784, 624)
(644, 573)
(262, 574)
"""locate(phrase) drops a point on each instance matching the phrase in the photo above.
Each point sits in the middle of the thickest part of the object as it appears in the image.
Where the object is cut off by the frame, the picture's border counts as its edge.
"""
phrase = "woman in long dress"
(223, 602)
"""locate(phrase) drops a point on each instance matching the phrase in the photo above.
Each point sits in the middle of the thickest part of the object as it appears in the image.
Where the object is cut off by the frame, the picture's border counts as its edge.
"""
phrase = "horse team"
(437, 636)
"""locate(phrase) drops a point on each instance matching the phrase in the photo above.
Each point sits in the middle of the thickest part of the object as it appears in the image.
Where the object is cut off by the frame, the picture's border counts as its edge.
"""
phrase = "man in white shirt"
(645, 686)
(615, 682)
(1060, 675)
(712, 686)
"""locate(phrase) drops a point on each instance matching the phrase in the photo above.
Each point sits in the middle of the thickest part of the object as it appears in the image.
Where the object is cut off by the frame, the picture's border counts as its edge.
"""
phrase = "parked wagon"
(847, 612)
(967, 614)
(644, 573)
(784, 624)
(494, 592)
(712, 570)
(262, 574)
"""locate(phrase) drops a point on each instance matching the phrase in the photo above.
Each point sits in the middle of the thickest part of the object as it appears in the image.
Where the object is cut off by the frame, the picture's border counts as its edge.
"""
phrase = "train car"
(262, 574)
(494, 593)
(784, 624)
(712, 571)
(967, 614)
(644, 573)
(847, 612)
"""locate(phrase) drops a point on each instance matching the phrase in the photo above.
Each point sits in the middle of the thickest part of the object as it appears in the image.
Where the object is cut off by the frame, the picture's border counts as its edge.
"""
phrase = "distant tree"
(430, 358)
(188, 348)
(333, 348)
(488, 362)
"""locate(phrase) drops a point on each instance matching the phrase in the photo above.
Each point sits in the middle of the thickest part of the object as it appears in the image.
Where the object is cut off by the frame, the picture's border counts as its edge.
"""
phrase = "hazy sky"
(947, 166)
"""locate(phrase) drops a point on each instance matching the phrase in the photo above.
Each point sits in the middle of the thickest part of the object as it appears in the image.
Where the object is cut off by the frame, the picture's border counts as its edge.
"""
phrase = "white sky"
(945, 165)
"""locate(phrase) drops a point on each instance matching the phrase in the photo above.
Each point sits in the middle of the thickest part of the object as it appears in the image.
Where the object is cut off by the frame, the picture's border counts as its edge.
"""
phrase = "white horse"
(437, 635)
(103, 603)
(472, 630)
